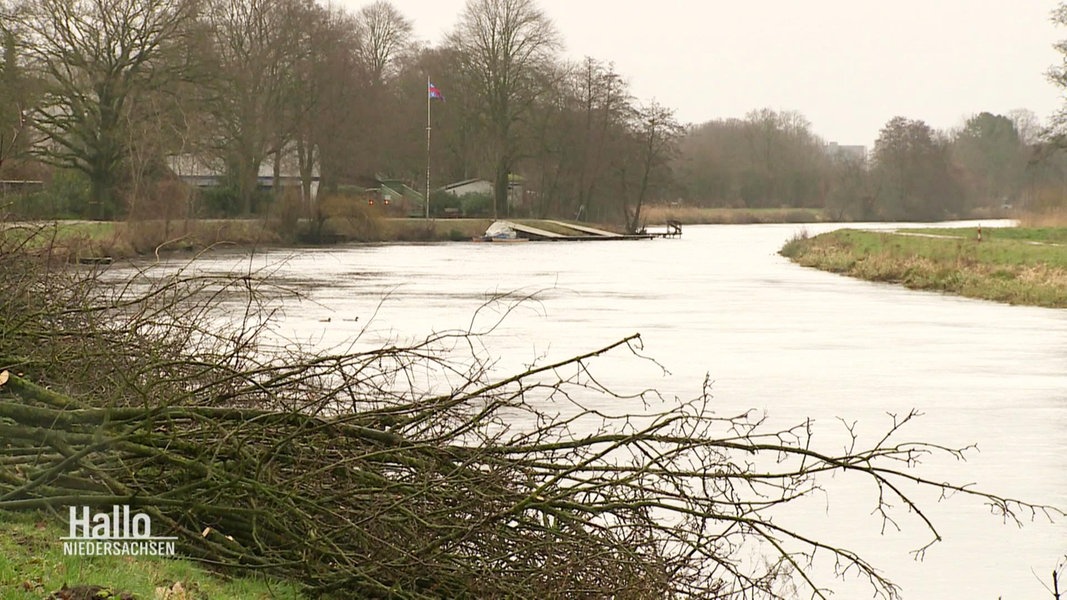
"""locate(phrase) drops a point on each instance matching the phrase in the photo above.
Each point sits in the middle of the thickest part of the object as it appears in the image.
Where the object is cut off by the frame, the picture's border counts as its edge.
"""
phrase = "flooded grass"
(1005, 268)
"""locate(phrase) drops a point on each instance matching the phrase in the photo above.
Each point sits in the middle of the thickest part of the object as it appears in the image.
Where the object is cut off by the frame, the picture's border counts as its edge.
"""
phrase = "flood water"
(788, 341)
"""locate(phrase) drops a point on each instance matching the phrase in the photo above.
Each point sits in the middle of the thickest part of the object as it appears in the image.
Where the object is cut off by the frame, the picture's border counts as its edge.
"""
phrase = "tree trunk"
(306, 157)
(101, 195)
(247, 177)
(500, 188)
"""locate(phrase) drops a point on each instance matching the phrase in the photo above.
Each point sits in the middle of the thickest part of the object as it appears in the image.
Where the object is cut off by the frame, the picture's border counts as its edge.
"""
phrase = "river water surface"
(788, 341)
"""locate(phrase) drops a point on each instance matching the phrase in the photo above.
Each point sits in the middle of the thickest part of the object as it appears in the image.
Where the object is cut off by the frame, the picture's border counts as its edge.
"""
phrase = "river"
(788, 341)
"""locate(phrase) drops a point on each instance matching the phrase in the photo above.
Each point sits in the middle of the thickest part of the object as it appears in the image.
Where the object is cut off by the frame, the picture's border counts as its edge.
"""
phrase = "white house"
(203, 172)
(469, 186)
(483, 187)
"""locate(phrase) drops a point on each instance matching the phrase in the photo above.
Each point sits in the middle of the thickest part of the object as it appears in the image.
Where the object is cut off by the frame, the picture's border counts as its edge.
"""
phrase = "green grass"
(1006, 268)
(67, 240)
(40, 234)
(1044, 235)
(91, 239)
(83, 239)
(32, 566)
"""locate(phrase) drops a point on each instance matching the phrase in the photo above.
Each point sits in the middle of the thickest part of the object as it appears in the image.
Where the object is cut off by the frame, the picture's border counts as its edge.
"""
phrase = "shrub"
(347, 218)
(219, 202)
(443, 204)
(65, 195)
(286, 213)
(476, 205)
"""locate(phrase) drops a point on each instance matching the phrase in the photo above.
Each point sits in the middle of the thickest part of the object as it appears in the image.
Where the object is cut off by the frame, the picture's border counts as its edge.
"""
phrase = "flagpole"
(427, 198)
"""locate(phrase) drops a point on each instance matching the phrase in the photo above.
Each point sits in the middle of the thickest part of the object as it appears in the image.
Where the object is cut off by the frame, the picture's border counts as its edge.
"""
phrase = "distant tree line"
(101, 95)
(110, 89)
(773, 159)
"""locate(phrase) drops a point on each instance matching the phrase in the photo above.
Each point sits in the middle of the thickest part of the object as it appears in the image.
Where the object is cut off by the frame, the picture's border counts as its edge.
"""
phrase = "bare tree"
(94, 58)
(786, 160)
(459, 150)
(389, 112)
(256, 47)
(505, 47)
(14, 95)
(605, 105)
(600, 110)
(991, 151)
(1057, 74)
(553, 124)
(913, 172)
(384, 34)
(769, 158)
(654, 142)
(1028, 124)
(851, 194)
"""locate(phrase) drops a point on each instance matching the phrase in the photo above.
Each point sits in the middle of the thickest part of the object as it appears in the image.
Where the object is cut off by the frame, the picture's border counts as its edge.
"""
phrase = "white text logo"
(120, 532)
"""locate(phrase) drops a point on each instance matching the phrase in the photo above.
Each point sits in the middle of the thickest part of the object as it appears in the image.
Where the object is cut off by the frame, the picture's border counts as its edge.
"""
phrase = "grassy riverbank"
(76, 240)
(1017, 266)
(32, 566)
(80, 240)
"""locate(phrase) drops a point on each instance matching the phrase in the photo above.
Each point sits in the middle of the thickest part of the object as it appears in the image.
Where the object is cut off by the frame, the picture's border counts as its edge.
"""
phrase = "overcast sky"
(847, 65)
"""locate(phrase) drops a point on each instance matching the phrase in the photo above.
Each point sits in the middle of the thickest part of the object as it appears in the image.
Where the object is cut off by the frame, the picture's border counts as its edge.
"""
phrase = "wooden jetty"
(95, 260)
(587, 230)
(674, 229)
(581, 233)
(535, 232)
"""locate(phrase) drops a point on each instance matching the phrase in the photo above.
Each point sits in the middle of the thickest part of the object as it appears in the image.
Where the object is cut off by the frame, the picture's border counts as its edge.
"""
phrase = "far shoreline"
(93, 241)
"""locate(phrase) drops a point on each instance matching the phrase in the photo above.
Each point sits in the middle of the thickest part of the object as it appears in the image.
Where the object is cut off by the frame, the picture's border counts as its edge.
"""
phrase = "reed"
(1050, 218)
(691, 215)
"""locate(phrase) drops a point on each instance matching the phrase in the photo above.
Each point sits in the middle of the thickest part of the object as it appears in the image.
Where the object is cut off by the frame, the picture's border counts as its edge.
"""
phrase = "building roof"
(464, 183)
(196, 166)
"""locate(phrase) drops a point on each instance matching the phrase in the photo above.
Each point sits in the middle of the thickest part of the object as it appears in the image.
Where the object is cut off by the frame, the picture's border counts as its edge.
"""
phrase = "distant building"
(835, 150)
(398, 197)
(204, 172)
(516, 197)
(17, 187)
(469, 186)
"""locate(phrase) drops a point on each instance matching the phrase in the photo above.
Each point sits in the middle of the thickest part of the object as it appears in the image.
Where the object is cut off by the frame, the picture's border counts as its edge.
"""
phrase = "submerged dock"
(510, 231)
